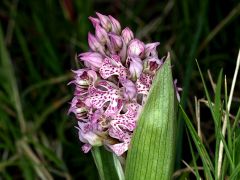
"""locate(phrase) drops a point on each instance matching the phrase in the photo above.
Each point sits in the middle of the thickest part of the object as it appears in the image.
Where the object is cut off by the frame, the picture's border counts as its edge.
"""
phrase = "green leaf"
(108, 165)
(152, 151)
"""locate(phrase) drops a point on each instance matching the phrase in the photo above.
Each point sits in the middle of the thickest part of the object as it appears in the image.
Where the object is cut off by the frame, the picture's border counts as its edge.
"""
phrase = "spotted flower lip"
(112, 88)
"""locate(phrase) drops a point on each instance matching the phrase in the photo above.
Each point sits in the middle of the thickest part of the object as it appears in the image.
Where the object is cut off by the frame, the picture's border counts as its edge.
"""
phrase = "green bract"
(152, 151)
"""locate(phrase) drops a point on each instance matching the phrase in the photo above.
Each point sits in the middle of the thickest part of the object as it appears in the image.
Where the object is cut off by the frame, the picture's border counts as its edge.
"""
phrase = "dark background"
(42, 38)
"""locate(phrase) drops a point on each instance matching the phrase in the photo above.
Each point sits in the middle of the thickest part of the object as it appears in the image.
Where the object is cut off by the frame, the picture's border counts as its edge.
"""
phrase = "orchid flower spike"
(112, 87)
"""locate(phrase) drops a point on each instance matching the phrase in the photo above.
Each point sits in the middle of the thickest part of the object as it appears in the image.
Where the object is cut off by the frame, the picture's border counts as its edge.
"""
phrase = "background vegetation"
(38, 42)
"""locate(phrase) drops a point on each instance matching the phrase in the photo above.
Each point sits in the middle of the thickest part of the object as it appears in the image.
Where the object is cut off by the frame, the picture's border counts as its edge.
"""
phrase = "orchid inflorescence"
(113, 86)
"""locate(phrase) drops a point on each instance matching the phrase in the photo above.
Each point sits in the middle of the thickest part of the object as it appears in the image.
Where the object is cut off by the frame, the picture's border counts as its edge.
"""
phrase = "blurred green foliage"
(38, 42)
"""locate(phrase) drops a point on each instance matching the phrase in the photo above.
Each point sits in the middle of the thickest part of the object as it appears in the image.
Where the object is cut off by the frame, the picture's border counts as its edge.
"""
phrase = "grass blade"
(194, 159)
(6, 64)
(218, 131)
(207, 164)
(218, 113)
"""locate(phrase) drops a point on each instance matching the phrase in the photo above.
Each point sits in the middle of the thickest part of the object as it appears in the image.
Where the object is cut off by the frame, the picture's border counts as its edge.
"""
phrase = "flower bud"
(105, 21)
(83, 78)
(136, 48)
(101, 34)
(78, 108)
(116, 27)
(135, 67)
(115, 42)
(94, 21)
(87, 135)
(127, 35)
(93, 59)
(151, 49)
(94, 44)
(123, 52)
(86, 148)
